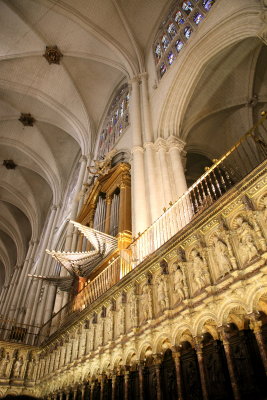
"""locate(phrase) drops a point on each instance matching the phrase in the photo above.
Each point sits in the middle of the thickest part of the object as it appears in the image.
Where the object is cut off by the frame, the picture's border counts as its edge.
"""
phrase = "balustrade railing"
(12, 331)
(230, 169)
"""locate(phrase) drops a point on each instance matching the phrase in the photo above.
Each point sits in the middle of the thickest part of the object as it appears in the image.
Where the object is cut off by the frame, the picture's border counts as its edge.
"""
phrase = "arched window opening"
(116, 121)
(176, 29)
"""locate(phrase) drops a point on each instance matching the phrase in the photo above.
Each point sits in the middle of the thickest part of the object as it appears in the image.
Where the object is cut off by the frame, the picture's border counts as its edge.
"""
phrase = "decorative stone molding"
(52, 54)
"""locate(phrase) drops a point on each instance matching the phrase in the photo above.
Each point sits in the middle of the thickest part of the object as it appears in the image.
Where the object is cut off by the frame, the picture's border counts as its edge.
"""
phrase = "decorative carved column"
(139, 206)
(125, 206)
(126, 384)
(176, 357)
(108, 211)
(67, 395)
(230, 365)
(162, 149)
(114, 387)
(175, 150)
(83, 390)
(157, 362)
(198, 348)
(102, 383)
(92, 389)
(141, 380)
(255, 325)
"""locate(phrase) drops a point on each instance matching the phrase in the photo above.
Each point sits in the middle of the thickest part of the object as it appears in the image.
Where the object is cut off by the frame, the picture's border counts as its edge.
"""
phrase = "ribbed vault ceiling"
(102, 43)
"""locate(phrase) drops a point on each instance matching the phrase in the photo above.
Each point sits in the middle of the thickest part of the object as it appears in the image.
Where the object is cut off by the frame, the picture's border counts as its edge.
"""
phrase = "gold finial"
(170, 203)
(164, 209)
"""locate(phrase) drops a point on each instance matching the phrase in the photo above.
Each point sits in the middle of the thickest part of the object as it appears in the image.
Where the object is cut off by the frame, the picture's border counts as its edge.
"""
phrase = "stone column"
(126, 384)
(256, 325)
(102, 382)
(67, 395)
(83, 391)
(114, 387)
(74, 393)
(141, 381)
(175, 149)
(157, 370)
(139, 204)
(176, 357)
(33, 298)
(198, 347)
(230, 365)
(140, 219)
(162, 149)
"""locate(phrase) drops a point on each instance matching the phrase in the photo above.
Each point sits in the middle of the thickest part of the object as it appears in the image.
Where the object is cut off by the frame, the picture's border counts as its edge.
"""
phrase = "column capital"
(135, 79)
(83, 158)
(144, 75)
(175, 143)
(148, 145)
(137, 149)
(160, 144)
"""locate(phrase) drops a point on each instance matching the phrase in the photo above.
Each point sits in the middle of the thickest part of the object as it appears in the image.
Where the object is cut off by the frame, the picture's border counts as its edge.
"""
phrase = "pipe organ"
(108, 205)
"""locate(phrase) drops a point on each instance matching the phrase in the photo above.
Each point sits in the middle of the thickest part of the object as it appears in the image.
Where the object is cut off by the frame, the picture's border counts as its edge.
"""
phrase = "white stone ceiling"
(102, 43)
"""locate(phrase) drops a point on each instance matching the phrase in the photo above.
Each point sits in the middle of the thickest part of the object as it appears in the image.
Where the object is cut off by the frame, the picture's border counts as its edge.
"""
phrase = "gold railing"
(230, 169)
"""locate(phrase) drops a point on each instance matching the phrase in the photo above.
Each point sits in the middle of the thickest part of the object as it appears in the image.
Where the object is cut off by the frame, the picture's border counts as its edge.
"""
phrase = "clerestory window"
(116, 121)
(176, 29)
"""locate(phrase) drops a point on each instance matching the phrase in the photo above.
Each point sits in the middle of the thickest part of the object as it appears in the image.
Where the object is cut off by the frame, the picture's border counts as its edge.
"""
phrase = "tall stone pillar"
(175, 150)
(114, 387)
(141, 381)
(176, 357)
(201, 369)
(126, 385)
(139, 203)
(256, 326)
(230, 365)
(162, 149)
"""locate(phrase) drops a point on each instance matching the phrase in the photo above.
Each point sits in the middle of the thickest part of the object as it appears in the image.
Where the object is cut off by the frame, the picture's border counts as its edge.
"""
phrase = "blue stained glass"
(187, 32)
(162, 69)
(170, 57)
(187, 7)
(172, 30)
(165, 41)
(179, 44)
(197, 18)
(179, 18)
(207, 4)
(122, 106)
(158, 53)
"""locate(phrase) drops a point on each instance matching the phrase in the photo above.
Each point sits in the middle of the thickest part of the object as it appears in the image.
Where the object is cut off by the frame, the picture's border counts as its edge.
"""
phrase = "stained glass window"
(170, 57)
(207, 4)
(178, 24)
(165, 41)
(197, 18)
(158, 52)
(187, 7)
(187, 32)
(116, 121)
(162, 70)
(179, 18)
(172, 30)
(178, 45)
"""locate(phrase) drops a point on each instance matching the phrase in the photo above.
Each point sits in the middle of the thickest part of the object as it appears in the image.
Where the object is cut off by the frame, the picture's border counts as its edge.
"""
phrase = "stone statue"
(199, 271)
(18, 367)
(31, 367)
(147, 302)
(102, 167)
(222, 256)
(132, 308)
(109, 326)
(264, 208)
(178, 282)
(4, 364)
(162, 294)
(247, 247)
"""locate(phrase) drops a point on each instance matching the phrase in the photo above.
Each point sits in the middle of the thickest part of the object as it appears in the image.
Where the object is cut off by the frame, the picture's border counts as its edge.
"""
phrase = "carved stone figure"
(199, 271)
(18, 367)
(162, 294)
(147, 302)
(247, 247)
(132, 308)
(222, 256)
(31, 367)
(121, 318)
(109, 326)
(264, 208)
(4, 364)
(178, 282)
(99, 334)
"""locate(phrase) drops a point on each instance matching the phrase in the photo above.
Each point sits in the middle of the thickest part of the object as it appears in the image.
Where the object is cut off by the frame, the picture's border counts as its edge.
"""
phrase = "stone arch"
(207, 323)
(237, 316)
(226, 306)
(161, 344)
